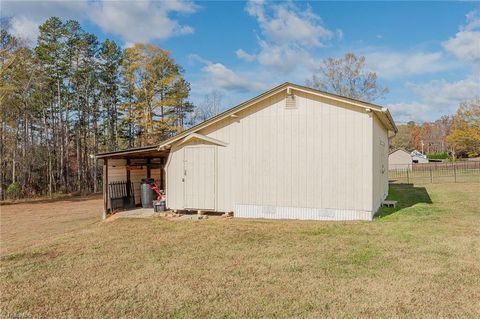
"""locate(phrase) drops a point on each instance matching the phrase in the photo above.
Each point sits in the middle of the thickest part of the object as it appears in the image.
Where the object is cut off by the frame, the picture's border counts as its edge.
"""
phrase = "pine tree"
(157, 93)
(50, 54)
(71, 97)
(110, 57)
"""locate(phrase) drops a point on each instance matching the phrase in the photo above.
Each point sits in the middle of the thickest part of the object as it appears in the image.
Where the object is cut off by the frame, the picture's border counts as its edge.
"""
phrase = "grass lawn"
(421, 259)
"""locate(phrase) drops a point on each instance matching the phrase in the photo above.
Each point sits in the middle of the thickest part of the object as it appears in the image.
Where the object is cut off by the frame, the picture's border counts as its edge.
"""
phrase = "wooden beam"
(162, 173)
(148, 168)
(128, 178)
(105, 188)
(141, 166)
(127, 167)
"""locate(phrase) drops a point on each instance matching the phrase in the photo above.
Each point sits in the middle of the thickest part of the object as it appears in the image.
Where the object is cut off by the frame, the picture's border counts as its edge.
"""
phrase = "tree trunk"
(63, 181)
(14, 158)
(49, 155)
(67, 143)
(95, 149)
(2, 162)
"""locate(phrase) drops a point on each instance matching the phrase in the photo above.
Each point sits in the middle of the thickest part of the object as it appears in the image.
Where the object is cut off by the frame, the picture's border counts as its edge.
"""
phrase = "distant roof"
(398, 149)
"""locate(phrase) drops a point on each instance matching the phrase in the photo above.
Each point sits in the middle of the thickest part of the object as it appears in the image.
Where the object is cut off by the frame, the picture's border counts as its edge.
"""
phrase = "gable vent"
(291, 102)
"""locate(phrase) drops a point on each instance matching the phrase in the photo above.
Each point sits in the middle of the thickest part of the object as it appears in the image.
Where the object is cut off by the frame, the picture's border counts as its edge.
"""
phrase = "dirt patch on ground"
(29, 224)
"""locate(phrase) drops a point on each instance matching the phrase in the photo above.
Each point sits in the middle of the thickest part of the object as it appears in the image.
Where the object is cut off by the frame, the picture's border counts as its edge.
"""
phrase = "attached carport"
(124, 170)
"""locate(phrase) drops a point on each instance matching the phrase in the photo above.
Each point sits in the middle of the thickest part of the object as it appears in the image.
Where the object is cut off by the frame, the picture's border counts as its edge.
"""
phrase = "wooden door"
(200, 177)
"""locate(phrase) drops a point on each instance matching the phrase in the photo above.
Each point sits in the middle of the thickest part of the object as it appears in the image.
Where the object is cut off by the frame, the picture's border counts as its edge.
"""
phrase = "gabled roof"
(208, 139)
(399, 149)
(383, 113)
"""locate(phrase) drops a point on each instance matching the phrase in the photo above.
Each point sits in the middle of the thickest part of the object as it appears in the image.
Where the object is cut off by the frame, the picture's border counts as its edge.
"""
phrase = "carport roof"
(139, 152)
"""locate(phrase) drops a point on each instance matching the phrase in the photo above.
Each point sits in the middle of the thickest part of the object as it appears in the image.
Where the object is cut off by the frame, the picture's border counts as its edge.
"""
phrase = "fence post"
(455, 172)
(408, 178)
(431, 177)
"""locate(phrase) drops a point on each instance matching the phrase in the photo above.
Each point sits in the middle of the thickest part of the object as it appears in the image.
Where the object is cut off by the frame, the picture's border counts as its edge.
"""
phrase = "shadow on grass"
(406, 195)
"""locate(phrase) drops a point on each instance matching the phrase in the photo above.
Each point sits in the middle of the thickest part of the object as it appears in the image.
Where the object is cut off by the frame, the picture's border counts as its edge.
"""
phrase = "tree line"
(71, 96)
(455, 136)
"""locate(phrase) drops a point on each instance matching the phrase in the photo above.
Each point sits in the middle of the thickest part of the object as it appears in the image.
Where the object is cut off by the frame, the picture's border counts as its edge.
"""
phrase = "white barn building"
(271, 157)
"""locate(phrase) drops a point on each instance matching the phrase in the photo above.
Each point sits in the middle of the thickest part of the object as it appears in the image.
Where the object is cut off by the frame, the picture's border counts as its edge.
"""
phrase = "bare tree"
(209, 107)
(348, 77)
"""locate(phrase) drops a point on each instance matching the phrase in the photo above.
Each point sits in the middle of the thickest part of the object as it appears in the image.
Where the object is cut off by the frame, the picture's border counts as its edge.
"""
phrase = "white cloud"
(133, 21)
(219, 76)
(288, 34)
(24, 28)
(446, 95)
(141, 21)
(465, 45)
(414, 111)
(225, 78)
(26, 16)
(245, 56)
(394, 64)
(435, 98)
(196, 58)
(284, 58)
(286, 23)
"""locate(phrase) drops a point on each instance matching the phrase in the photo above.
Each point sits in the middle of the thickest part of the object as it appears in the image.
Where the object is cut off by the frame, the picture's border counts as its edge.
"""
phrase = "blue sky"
(426, 53)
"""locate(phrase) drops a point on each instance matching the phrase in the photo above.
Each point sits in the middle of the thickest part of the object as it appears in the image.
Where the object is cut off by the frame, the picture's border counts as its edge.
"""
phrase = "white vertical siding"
(315, 156)
(200, 177)
(174, 178)
(380, 163)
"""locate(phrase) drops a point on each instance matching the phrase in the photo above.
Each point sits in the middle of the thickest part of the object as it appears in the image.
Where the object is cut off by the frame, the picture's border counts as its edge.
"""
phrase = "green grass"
(421, 259)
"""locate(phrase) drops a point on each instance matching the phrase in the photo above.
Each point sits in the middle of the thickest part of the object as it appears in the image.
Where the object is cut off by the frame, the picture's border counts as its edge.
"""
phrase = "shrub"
(439, 155)
(14, 190)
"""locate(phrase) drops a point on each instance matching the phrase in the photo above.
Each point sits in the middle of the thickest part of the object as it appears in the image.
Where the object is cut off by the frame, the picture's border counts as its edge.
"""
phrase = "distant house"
(399, 159)
(418, 157)
(269, 157)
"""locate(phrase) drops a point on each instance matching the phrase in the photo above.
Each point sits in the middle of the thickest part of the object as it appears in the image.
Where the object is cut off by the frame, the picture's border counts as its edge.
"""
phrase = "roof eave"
(224, 114)
(285, 86)
(126, 152)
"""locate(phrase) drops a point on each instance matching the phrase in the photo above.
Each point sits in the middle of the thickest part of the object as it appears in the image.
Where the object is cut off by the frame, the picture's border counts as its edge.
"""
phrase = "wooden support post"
(105, 188)
(128, 170)
(162, 173)
(431, 176)
(455, 172)
(129, 179)
(149, 172)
